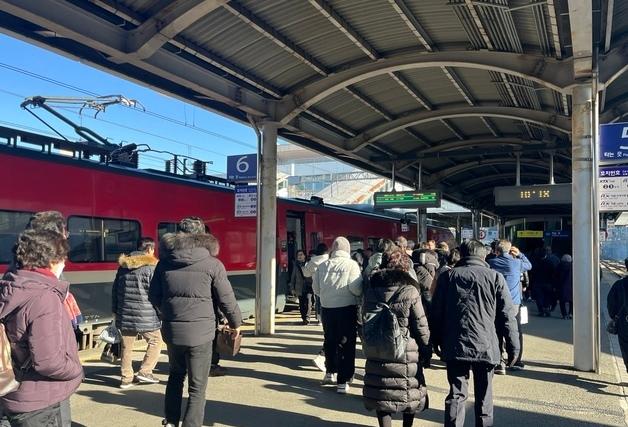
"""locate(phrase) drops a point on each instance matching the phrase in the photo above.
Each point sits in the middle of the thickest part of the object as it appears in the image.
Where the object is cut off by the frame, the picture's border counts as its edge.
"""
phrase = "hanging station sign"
(524, 195)
(242, 168)
(407, 199)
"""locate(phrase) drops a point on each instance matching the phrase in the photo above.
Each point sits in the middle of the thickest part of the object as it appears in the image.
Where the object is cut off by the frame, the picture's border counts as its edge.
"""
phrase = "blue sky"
(203, 135)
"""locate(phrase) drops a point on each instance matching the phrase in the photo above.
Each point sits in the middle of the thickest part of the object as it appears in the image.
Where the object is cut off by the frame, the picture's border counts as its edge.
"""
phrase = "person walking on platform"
(185, 282)
(425, 266)
(383, 246)
(511, 263)
(134, 314)
(320, 256)
(564, 284)
(394, 385)
(338, 284)
(617, 306)
(44, 349)
(470, 302)
(302, 286)
(542, 278)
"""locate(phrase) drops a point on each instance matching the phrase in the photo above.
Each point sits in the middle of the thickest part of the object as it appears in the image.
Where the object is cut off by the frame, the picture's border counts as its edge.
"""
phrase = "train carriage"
(110, 207)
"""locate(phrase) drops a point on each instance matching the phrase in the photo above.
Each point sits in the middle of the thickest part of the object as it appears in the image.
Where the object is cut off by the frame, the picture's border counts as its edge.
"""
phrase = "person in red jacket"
(44, 350)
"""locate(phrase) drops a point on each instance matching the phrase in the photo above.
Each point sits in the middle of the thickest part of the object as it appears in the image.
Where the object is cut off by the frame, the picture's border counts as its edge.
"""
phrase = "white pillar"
(267, 233)
(583, 210)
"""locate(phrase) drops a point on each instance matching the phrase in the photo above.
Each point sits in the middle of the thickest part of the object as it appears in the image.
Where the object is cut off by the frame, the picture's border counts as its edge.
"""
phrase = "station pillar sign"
(614, 143)
(242, 168)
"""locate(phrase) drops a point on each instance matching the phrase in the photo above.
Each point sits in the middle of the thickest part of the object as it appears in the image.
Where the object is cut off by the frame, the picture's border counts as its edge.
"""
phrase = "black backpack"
(383, 338)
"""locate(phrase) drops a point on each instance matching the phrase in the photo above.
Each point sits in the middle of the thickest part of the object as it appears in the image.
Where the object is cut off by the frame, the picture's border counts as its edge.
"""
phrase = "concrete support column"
(475, 221)
(586, 304)
(422, 225)
(267, 232)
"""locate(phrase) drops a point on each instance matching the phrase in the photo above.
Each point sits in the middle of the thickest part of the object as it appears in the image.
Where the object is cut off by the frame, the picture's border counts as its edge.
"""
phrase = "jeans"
(153, 338)
(339, 328)
(57, 415)
(458, 377)
(195, 362)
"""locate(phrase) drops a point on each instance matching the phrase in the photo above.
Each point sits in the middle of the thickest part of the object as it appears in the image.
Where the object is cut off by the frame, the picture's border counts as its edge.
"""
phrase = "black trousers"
(305, 303)
(458, 377)
(501, 339)
(193, 362)
(339, 327)
(57, 415)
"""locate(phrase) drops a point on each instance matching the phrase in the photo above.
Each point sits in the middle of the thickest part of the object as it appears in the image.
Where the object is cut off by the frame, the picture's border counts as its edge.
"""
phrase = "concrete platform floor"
(274, 383)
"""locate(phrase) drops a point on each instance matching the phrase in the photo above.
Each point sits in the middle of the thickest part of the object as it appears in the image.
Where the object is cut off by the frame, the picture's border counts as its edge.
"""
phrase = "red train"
(110, 207)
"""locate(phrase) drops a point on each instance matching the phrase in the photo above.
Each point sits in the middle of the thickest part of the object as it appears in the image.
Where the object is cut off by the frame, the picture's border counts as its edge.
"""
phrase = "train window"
(101, 239)
(166, 227)
(11, 224)
(373, 242)
(356, 243)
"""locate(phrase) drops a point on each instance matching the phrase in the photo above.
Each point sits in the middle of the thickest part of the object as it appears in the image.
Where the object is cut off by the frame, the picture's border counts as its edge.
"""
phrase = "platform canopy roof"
(455, 89)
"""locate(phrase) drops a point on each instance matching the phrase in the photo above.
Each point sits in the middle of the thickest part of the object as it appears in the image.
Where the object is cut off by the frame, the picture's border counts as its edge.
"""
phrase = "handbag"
(227, 343)
(111, 334)
(110, 354)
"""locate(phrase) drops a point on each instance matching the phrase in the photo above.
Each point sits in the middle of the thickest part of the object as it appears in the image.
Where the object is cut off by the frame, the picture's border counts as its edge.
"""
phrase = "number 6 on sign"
(242, 165)
(242, 168)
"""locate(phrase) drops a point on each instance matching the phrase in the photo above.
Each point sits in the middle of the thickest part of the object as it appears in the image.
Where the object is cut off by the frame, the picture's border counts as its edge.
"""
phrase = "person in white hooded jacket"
(321, 256)
(338, 284)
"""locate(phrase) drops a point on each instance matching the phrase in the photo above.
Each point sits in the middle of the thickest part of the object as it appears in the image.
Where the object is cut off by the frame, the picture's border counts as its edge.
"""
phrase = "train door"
(295, 237)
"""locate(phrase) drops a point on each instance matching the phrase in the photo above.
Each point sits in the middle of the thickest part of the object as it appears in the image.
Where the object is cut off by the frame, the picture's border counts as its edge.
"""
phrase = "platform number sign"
(614, 143)
(242, 168)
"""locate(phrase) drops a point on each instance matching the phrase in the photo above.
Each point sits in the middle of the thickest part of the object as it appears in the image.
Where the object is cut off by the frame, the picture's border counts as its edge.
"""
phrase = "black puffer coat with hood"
(398, 386)
(129, 296)
(186, 280)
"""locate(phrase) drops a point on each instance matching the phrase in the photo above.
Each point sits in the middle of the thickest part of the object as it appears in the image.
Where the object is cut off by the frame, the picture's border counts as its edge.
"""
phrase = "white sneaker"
(342, 388)
(329, 379)
(319, 361)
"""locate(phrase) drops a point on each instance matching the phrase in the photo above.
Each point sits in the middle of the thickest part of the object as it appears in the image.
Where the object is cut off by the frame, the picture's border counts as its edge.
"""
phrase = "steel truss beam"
(542, 118)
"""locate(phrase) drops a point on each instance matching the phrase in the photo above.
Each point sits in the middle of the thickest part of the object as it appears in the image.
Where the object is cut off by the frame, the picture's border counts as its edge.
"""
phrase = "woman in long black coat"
(398, 386)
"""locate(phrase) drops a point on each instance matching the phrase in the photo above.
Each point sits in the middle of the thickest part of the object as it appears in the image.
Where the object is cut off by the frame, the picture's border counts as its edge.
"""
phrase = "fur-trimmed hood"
(136, 260)
(389, 278)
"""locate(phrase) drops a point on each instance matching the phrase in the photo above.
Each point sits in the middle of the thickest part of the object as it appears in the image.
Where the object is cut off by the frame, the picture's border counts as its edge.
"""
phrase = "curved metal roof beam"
(481, 142)
(160, 28)
(464, 167)
(541, 118)
(482, 180)
(615, 111)
(547, 72)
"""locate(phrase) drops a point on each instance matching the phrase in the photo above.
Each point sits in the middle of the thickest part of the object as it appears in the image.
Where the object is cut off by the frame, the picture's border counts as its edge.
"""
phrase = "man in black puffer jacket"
(186, 281)
(471, 300)
(134, 314)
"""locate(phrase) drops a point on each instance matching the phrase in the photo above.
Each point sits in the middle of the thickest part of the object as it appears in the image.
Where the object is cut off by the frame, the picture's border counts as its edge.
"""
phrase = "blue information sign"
(614, 142)
(613, 171)
(558, 234)
(242, 168)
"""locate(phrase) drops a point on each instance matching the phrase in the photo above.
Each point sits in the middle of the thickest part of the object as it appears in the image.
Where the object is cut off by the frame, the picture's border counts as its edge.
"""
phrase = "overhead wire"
(144, 111)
